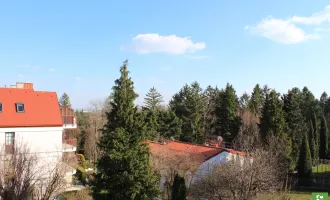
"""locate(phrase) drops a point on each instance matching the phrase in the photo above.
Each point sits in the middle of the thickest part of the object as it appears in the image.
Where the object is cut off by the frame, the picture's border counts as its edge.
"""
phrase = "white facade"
(44, 142)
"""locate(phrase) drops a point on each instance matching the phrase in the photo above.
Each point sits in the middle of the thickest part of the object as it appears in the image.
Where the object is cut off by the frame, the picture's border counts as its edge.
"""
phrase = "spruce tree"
(169, 125)
(210, 118)
(323, 101)
(124, 170)
(153, 99)
(244, 101)
(295, 123)
(305, 159)
(272, 121)
(179, 190)
(228, 121)
(188, 105)
(256, 101)
(323, 139)
(65, 100)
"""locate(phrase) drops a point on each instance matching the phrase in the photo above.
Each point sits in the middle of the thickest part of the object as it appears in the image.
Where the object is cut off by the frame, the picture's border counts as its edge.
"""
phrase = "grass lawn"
(292, 195)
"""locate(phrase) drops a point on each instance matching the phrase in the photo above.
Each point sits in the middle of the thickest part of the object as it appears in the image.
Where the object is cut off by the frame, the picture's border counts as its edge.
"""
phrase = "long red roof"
(41, 109)
(176, 148)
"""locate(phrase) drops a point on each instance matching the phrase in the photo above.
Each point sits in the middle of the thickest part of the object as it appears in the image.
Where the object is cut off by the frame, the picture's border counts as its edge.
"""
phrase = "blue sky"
(78, 46)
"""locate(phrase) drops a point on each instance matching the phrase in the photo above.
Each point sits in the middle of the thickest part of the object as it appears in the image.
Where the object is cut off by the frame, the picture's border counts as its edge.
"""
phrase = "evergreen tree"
(323, 139)
(256, 101)
(210, 116)
(272, 121)
(295, 123)
(152, 121)
(169, 125)
(244, 101)
(188, 105)
(305, 159)
(324, 101)
(124, 171)
(228, 121)
(153, 99)
(65, 100)
(179, 190)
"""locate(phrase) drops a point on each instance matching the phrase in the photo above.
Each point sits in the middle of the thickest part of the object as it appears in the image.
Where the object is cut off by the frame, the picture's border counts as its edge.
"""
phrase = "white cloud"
(316, 19)
(286, 31)
(51, 70)
(167, 68)
(78, 78)
(20, 75)
(155, 43)
(198, 57)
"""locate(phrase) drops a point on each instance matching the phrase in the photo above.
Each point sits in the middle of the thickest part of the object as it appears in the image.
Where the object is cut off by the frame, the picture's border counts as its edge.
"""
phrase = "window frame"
(17, 107)
(9, 138)
(0, 107)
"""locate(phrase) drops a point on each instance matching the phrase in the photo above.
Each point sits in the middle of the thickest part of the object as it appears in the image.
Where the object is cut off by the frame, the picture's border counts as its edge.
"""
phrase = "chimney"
(23, 85)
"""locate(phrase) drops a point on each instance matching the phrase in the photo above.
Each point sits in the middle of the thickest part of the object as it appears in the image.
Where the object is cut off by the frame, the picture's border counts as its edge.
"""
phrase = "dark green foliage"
(295, 123)
(124, 170)
(305, 159)
(256, 101)
(324, 101)
(323, 139)
(179, 190)
(152, 122)
(65, 100)
(169, 125)
(228, 121)
(153, 99)
(210, 116)
(272, 121)
(188, 105)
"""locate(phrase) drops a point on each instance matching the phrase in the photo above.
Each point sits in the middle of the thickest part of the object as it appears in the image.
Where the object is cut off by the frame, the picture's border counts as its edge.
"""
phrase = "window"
(19, 107)
(10, 138)
(9, 142)
(0, 107)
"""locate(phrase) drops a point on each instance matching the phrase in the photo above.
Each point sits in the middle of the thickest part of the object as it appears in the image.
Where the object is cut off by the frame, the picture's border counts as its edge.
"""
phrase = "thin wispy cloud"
(197, 57)
(20, 75)
(287, 31)
(51, 70)
(155, 43)
(78, 78)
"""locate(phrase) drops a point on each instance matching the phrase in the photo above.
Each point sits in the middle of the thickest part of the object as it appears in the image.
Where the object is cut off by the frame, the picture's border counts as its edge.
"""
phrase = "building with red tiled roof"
(31, 118)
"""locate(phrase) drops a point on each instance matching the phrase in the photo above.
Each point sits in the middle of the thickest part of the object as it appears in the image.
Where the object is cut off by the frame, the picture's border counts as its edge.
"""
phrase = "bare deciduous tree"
(23, 176)
(170, 163)
(97, 119)
(260, 171)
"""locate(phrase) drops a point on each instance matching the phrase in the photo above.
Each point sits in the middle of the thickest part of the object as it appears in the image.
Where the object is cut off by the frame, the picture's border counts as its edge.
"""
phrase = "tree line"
(297, 119)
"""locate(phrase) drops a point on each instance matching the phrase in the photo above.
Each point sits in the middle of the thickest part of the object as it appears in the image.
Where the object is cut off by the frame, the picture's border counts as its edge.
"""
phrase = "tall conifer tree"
(124, 170)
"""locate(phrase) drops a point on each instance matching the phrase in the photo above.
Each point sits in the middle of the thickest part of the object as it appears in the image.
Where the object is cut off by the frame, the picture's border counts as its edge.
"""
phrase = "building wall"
(43, 142)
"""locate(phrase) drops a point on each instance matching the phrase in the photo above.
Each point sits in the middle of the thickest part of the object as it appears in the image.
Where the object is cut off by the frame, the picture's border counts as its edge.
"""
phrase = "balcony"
(69, 122)
(69, 144)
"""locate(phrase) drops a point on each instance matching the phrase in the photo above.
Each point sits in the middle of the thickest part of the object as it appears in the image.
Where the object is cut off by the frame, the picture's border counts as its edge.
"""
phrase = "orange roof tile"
(201, 152)
(41, 108)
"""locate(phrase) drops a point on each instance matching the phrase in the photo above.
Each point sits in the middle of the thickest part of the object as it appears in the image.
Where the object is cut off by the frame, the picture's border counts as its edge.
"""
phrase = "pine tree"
(228, 121)
(124, 171)
(323, 101)
(295, 123)
(210, 117)
(305, 159)
(153, 99)
(256, 101)
(179, 190)
(188, 105)
(169, 125)
(244, 101)
(65, 100)
(323, 139)
(272, 121)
